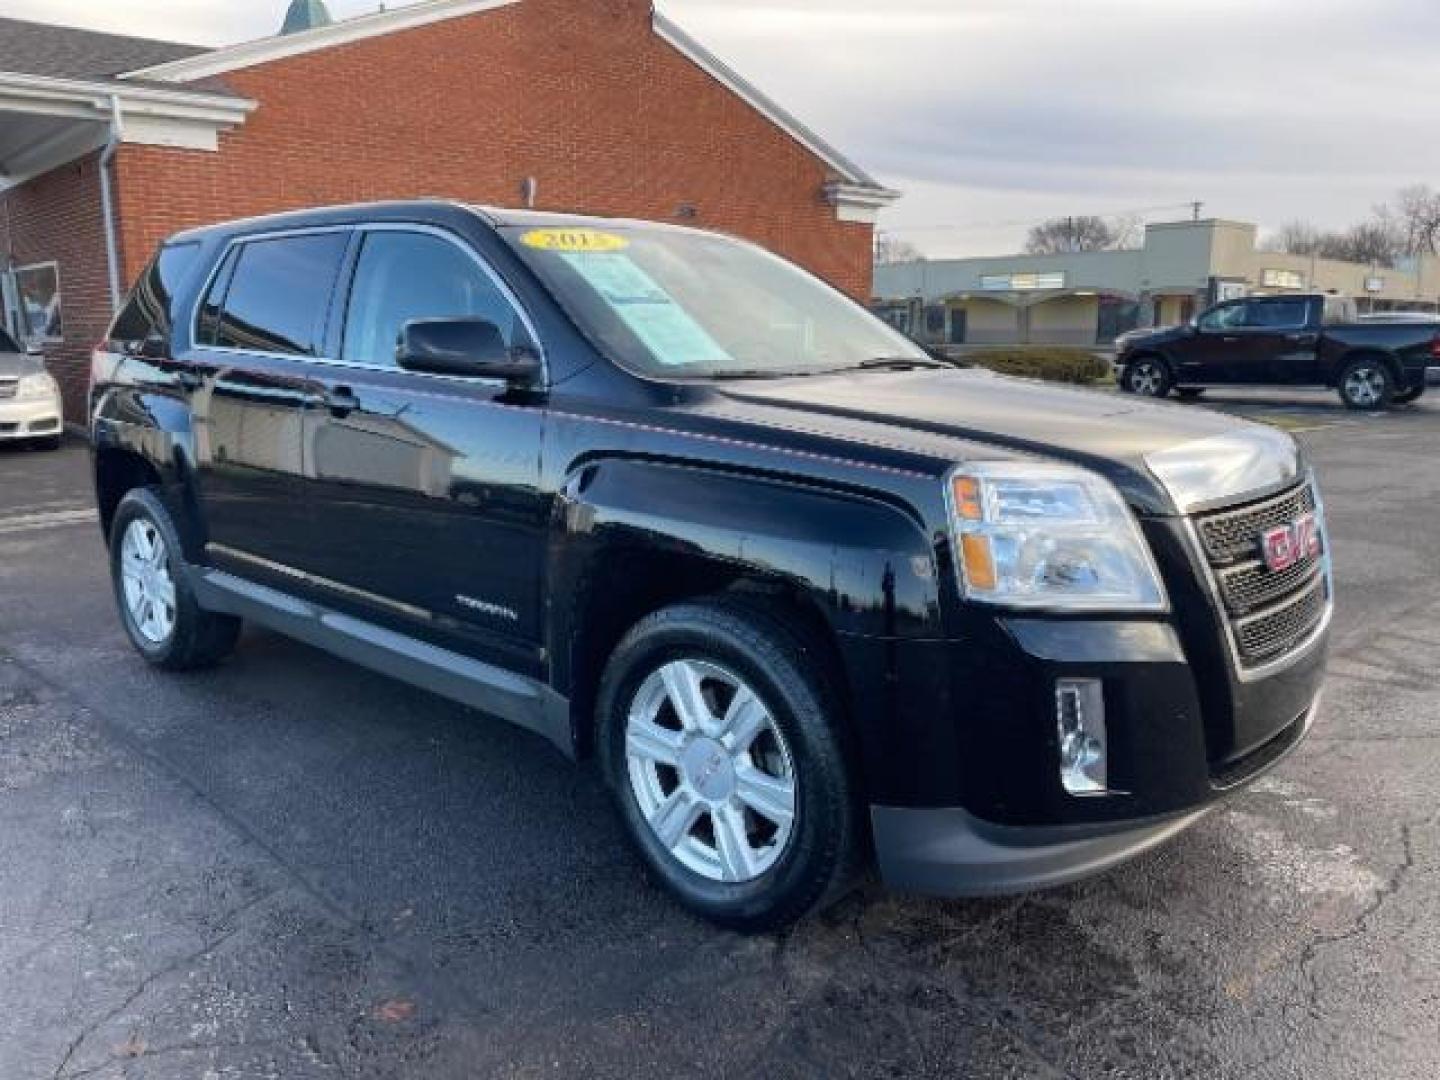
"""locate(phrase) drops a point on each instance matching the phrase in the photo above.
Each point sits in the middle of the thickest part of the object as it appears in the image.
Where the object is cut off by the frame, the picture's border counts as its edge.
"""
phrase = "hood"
(1164, 458)
(1150, 335)
(15, 365)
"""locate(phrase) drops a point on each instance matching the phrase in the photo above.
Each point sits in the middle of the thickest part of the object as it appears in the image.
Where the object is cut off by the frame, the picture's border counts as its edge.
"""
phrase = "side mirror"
(470, 348)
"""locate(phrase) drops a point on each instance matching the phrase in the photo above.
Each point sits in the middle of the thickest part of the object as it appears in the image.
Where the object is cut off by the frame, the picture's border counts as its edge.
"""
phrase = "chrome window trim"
(231, 245)
(1212, 587)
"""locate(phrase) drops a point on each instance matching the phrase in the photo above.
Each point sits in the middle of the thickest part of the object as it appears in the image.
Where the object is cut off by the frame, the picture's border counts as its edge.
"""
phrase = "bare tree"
(1063, 235)
(1295, 238)
(890, 249)
(1417, 216)
(1128, 232)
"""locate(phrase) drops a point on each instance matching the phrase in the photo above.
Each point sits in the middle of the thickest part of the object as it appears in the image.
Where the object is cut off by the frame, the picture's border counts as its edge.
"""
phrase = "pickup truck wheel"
(1148, 376)
(157, 606)
(1365, 384)
(718, 738)
(1405, 397)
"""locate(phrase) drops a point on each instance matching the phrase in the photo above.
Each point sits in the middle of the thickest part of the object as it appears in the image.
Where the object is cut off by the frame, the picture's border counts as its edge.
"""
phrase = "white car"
(29, 397)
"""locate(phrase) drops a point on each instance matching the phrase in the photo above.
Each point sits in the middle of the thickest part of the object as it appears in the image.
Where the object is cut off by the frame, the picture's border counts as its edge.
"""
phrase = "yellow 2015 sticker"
(589, 241)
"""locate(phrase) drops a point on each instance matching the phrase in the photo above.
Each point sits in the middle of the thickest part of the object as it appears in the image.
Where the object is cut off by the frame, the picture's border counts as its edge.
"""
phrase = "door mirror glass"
(473, 348)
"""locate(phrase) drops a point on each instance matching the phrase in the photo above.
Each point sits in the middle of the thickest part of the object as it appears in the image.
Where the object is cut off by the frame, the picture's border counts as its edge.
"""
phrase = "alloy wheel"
(710, 771)
(147, 581)
(1146, 378)
(1365, 386)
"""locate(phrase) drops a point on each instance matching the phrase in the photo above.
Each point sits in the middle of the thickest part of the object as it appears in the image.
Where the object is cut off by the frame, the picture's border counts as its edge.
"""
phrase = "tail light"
(1435, 346)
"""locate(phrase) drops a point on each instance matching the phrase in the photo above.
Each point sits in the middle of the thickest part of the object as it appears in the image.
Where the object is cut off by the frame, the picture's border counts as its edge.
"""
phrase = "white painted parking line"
(54, 519)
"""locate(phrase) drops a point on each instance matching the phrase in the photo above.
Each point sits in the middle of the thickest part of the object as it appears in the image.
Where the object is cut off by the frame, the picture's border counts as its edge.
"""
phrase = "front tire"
(1148, 376)
(1366, 385)
(720, 738)
(157, 605)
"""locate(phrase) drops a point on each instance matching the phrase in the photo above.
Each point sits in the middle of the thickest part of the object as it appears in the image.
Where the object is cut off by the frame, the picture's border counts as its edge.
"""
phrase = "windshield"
(672, 303)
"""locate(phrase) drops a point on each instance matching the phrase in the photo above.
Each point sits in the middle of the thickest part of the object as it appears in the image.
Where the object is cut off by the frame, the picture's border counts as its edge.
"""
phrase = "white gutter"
(107, 202)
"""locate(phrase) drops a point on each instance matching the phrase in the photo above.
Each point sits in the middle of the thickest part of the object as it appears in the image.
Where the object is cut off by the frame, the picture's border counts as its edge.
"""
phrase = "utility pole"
(1195, 208)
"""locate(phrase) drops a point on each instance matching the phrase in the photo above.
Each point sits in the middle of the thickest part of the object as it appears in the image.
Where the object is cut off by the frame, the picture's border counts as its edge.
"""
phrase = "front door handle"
(341, 401)
(1301, 339)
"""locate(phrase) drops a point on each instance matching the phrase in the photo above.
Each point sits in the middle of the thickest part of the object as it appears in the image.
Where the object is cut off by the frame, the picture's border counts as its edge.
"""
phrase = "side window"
(279, 294)
(406, 275)
(1224, 317)
(148, 313)
(1287, 313)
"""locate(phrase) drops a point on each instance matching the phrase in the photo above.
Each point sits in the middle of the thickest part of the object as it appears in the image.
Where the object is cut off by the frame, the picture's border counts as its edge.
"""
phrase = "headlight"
(1049, 536)
(36, 386)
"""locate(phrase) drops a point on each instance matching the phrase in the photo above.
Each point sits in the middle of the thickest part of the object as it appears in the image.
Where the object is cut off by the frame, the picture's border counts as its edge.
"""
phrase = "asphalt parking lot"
(292, 868)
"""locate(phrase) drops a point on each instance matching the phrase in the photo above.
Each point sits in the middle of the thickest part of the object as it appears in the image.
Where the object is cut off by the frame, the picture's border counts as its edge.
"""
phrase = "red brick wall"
(57, 217)
(585, 97)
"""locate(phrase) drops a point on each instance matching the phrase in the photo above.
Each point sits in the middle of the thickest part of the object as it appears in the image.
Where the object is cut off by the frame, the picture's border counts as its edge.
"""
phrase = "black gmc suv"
(1291, 340)
(806, 592)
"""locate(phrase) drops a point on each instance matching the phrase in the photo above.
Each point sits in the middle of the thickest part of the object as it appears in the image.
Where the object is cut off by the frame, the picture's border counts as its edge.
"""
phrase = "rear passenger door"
(1282, 339)
(424, 490)
(264, 314)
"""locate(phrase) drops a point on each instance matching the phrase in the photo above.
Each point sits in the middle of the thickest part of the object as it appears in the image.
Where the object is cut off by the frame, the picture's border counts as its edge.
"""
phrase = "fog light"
(1080, 722)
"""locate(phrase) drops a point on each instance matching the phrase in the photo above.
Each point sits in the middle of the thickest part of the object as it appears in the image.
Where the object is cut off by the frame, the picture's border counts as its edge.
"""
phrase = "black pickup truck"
(1292, 340)
(810, 596)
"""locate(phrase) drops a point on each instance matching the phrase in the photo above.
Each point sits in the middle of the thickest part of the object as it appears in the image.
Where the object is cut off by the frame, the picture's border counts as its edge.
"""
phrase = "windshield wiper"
(761, 373)
(901, 363)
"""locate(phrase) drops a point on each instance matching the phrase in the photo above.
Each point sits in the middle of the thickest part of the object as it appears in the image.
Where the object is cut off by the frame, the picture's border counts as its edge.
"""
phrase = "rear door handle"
(341, 401)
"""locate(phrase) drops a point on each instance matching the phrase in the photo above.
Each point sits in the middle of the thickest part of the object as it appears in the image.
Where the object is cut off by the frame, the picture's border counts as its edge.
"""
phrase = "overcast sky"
(990, 114)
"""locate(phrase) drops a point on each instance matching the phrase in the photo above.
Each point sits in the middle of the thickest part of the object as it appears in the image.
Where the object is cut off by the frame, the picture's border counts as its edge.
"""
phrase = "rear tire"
(740, 799)
(1405, 397)
(1366, 385)
(1148, 376)
(157, 605)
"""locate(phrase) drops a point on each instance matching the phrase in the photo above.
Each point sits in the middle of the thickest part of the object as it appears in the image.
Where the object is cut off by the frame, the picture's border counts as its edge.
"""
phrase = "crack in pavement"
(150, 980)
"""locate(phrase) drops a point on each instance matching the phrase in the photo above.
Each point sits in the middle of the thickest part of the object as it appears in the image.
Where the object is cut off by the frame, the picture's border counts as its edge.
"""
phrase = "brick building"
(108, 144)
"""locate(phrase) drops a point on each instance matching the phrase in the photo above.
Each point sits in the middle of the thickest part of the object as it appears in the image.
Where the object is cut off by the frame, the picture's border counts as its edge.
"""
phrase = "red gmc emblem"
(1286, 545)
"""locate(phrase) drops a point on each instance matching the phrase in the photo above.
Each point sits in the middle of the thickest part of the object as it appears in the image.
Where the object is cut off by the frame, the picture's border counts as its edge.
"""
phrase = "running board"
(525, 702)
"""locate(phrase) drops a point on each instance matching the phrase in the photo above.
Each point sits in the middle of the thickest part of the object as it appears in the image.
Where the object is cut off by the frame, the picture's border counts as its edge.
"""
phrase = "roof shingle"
(64, 52)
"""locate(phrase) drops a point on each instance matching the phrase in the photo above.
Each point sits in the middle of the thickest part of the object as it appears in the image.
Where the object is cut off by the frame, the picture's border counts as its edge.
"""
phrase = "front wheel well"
(661, 582)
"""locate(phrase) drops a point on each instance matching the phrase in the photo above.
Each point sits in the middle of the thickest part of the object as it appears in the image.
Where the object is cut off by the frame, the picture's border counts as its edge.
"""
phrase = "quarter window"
(279, 294)
(402, 276)
(147, 313)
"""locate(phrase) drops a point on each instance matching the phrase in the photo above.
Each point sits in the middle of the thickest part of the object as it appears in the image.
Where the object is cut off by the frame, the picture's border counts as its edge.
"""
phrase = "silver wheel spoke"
(682, 683)
(772, 797)
(744, 720)
(648, 740)
(737, 858)
(675, 817)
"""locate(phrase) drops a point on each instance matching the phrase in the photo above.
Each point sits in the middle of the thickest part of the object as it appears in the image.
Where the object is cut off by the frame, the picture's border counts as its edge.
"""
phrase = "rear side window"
(278, 295)
(1283, 314)
(402, 276)
(149, 312)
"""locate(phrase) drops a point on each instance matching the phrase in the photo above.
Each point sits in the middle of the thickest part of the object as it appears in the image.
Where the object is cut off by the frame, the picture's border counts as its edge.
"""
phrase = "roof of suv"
(403, 210)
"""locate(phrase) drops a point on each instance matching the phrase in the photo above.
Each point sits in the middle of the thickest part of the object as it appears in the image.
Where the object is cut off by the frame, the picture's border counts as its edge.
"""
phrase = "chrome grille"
(1235, 534)
(1270, 612)
(1279, 629)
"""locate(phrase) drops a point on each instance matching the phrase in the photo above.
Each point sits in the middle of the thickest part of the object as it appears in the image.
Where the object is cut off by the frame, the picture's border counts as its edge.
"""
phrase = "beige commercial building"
(1087, 298)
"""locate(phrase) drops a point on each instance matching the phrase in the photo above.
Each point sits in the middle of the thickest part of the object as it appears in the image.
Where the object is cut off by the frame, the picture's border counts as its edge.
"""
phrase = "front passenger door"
(425, 489)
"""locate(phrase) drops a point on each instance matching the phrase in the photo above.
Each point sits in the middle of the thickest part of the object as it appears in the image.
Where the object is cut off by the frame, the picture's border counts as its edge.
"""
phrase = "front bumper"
(947, 851)
(30, 419)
